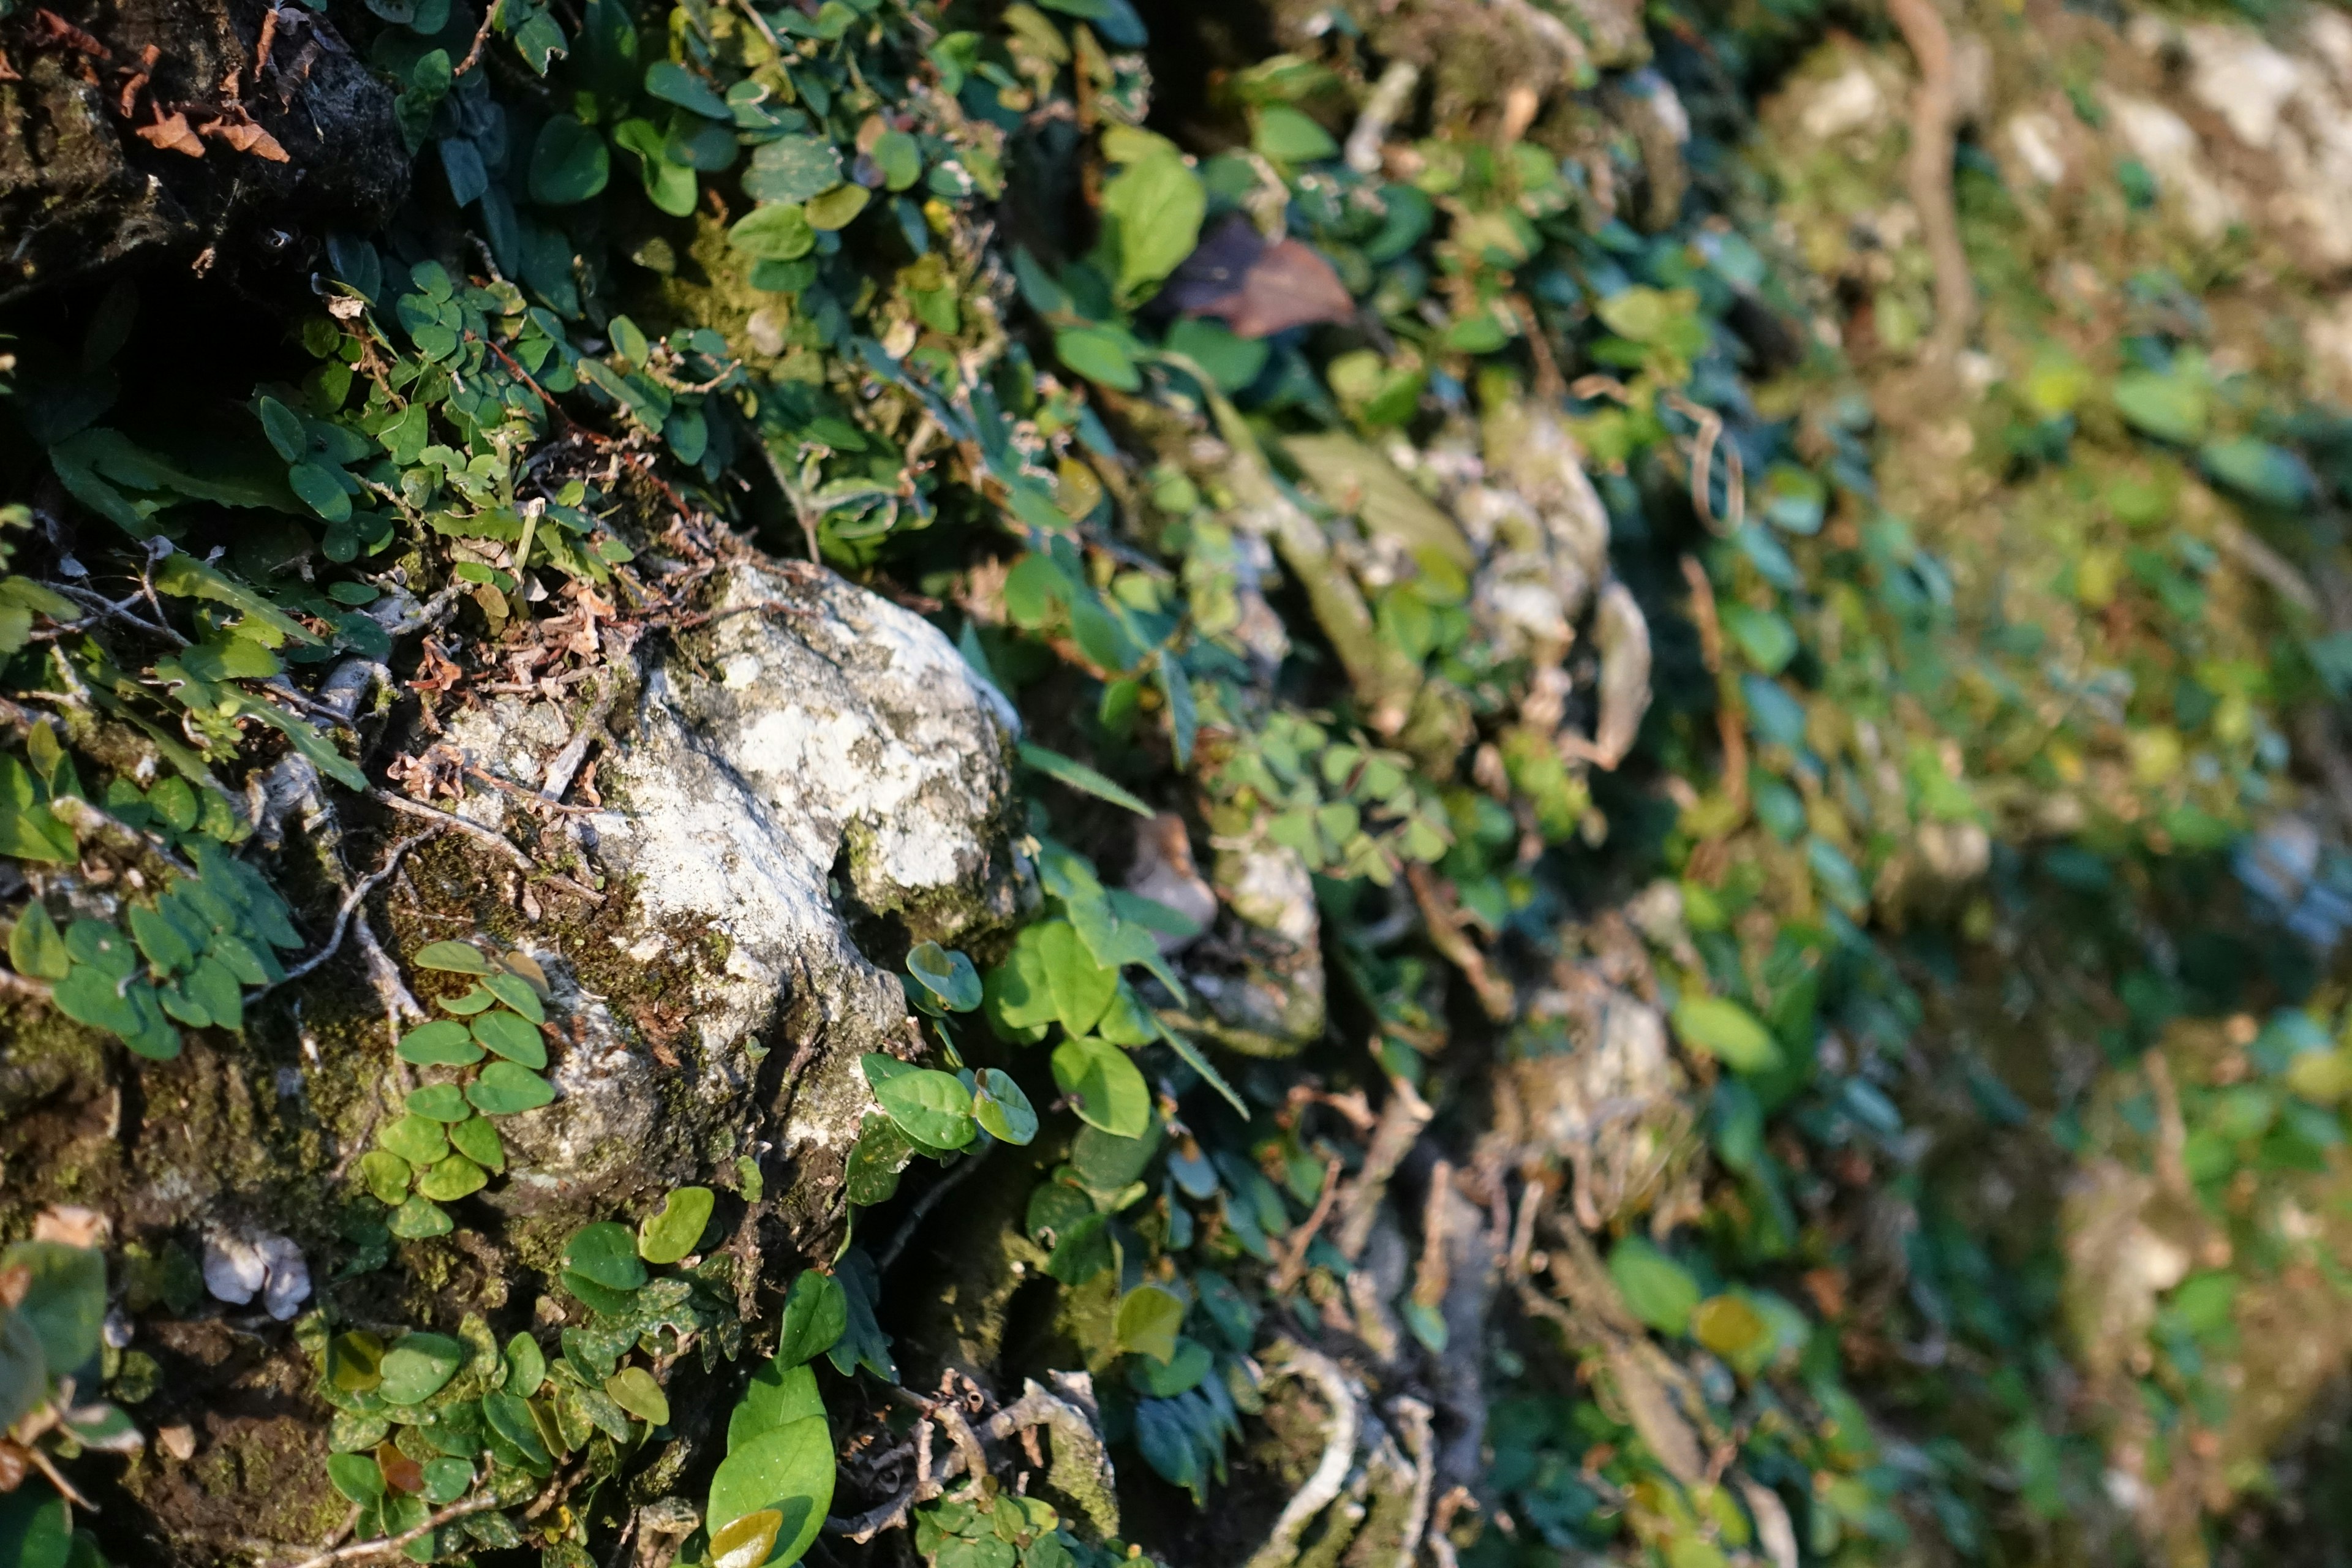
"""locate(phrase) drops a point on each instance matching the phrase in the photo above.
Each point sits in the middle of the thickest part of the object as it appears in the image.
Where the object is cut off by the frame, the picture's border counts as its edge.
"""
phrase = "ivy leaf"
(1081, 986)
(454, 957)
(933, 1108)
(1106, 1088)
(1080, 778)
(443, 1102)
(790, 1470)
(1658, 1290)
(505, 1087)
(517, 992)
(777, 1396)
(946, 974)
(836, 208)
(791, 169)
(1151, 214)
(673, 83)
(815, 1314)
(670, 1235)
(773, 231)
(1148, 1322)
(64, 1301)
(35, 946)
(568, 163)
(1101, 355)
(503, 1034)
(419, 1367)
(607, 1254)
(863, 1343)
(444, 1042)
(999, 1105)
(1727, 1031)
(632, 1388)
(2168, 406)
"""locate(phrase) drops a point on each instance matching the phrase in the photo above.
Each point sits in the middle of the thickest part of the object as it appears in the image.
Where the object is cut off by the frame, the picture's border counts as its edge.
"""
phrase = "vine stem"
(1930, 173)
(359, 1550)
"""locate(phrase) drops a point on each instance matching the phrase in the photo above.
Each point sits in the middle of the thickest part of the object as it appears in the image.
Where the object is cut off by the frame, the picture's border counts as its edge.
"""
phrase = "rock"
(815, 770)
(1608, 1106)
(82, 189)
(1261, 971)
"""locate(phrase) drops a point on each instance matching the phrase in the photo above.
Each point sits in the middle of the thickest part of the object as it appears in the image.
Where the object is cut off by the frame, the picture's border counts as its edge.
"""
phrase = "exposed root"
(1928, 174)
(1496, 994)
(1390, 98)
(1413, 1418)
(1402, 1120)
(1322, 1488)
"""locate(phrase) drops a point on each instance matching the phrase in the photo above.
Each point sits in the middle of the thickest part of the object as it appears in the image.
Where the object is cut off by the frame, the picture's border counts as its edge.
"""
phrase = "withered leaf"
(173, 135)
(1257, 289)
(248, 137)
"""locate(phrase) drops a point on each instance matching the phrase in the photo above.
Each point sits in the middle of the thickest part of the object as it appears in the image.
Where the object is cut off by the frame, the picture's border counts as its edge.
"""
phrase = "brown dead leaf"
(49, 28)
(73, 1225)
(401, 1473)
(1257, 289)
(248, 137)
(173, 135)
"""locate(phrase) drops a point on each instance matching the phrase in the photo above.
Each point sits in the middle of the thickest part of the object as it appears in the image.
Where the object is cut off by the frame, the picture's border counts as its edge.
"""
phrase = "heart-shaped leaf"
(815, 1313)
(670, 1235)
(455, 957)
(505, 1087)
(1105, 1088)
(515, 1038)
(443, 1043)
(607, 1254)
(790, 1470)
(999, 1105)
(930, 1107)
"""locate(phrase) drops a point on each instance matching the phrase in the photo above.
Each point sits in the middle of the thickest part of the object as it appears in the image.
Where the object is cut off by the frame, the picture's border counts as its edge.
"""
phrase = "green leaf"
(1105, 1088)
(443, 1102)
(1193, 1056)
(815, 1313)
(321, 491)
(1081, 986)
(64, 1301)
(932, 1108)
(607, 1254)
(356, 1476)
(1183, 717)
(419, 1139)
(477, 1140)
(1101, 355)
(453, 1178)
(632, 1388)
(184, 576)
(670, 1235)
(1286, 135)
(441, 1044)
(1148, 1319)
(1151, 214)
(1015, 996)
(773, 231)
(836, 208)
(510, 1418)
(505, 1087)
(419, 1367)
(999, 1105)
(946, 974)
(863, 1343)
(452, 957)
(779, 1394)
(419, 1219)
(505, 1035)
(516, 992)
(789, 1469)
(568, 163)
(526, 1365)
(284, 428)
(2258, 470)
(2171, 407)
(1727, 1031)
(35, 945)
(1079, 776)
(1657, 1289)
(386, 1176)
(673, 83)
(871, 1173)
(791, 169)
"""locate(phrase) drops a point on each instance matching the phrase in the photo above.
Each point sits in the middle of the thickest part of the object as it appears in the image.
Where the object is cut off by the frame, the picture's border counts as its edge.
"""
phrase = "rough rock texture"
(80, 191)
(802, 787)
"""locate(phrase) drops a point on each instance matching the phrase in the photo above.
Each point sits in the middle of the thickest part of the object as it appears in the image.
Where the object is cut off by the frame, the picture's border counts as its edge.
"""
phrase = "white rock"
(815, 756)
(236, 1269)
